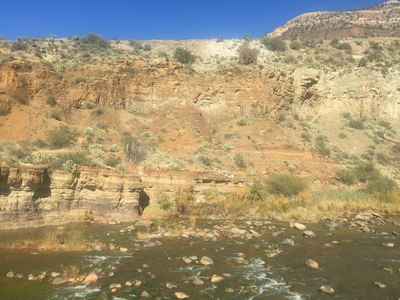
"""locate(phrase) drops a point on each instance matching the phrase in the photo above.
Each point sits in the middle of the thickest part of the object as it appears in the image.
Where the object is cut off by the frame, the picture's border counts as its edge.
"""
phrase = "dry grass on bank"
(60, 240)
(295, 201)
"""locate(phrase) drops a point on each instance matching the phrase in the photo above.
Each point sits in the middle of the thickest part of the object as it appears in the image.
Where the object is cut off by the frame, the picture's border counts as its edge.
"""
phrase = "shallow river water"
(350, 261)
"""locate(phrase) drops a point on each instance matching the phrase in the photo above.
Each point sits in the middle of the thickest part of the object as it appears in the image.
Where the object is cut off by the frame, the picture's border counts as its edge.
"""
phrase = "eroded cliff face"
(32, 196)
(230, 92)
(367, 93)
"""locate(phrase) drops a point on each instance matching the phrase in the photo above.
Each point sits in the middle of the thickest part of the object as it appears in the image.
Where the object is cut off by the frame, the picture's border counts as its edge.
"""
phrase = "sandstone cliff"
(379, 20)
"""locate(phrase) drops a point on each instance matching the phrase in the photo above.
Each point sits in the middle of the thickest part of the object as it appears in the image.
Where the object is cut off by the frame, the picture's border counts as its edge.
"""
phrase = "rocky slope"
(379, 20)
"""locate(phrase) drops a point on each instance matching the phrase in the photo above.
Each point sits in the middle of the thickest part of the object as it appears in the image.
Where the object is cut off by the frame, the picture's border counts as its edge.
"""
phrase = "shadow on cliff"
(144, 201)
(5, 189)
(43, 191)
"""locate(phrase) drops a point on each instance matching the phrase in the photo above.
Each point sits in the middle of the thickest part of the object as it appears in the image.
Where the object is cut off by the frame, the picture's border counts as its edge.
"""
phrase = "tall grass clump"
(285, 184)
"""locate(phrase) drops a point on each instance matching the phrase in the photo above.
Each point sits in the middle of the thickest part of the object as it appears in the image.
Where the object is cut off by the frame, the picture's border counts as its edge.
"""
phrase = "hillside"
(215, 115)
(380, 20)
(89, 124)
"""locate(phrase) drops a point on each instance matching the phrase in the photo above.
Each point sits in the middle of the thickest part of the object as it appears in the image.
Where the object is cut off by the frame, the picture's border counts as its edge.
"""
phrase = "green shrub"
(39, 143)
(386, 124)
(295, 45)
(273, 44)
(70, 166)
(137, 46)
(184, 200)
(363, 62)
(60, 137)
(163, 54)
(97, 112)
(114, 148)
(239, 160)
(133, 150)
(184, 56)
(112, 160)
(306, 136)
(147, 47)
(340, 46)
(247, 38)
(383, 159)
(396, 148)
(4, 110)
(356, 124)
(346, 115)
(204, 160)
(95, 40)
(164, 201)
(51, 101)
(69, 159)
(55, 114)
(347, 176)
(366, 171)
(242, 122)
(321, 147)
(130, 70)
(79, 79)
(20, 97)
(382, 184)
(286, 185)
(247, 55)
(258, 191)
(281, 116)
(18, 46)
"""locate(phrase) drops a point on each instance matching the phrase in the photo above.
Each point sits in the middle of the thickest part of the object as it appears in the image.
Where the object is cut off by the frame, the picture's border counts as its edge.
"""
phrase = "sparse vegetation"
(134, 151)
(273, 44)
(20, 97)
(347, 176)
(4, 110)
(381, 185)
(59, 240)
(240, 160)
(184, 56)
(112, 160)
(321, 145)
(79, 79)
(184, 200)
(286, 185)
(247, 55)
(51, 101)
(61, 137)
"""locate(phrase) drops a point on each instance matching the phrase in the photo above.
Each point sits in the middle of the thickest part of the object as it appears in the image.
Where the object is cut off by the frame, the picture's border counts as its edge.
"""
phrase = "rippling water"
(351, 265)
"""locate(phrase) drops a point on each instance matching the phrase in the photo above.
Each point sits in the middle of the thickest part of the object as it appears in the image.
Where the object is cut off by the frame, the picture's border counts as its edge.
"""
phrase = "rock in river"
(289, 242)
(10, 274)
(59, 281)
(115, 286)
(198, 281)
(206, 261)
(309, 234)
(238, 231)
(171, 286)
(181, 295)
(380, 284)
(299, 226)
(312, 264)
(327, 289)
(216, 278)
(91, 278)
